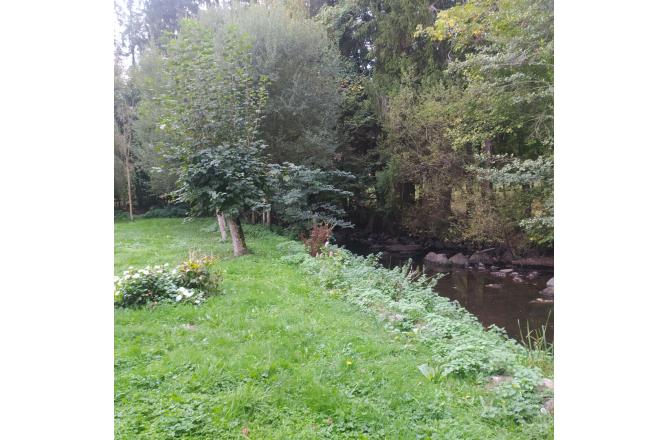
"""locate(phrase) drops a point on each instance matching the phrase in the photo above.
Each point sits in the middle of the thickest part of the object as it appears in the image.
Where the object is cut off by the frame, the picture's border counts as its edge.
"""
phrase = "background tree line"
(442, 111)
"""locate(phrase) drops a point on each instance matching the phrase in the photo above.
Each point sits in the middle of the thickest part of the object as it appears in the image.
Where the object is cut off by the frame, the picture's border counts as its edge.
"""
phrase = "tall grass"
(540, 350)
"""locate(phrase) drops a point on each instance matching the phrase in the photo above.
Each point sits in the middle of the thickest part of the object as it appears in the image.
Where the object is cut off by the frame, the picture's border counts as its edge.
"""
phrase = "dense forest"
(421, 117)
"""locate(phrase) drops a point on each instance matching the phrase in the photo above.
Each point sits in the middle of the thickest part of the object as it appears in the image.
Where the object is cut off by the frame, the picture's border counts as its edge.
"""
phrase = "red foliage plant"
(320, 233)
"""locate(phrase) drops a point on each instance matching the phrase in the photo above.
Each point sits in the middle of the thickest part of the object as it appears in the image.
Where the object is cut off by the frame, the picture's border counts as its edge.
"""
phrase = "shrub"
(166, 212)
(319, 235)
(194, 273)
(190, 282)
(120, 215)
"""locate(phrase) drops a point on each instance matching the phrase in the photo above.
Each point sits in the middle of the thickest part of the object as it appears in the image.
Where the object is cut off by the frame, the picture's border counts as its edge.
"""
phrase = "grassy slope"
(271, 354)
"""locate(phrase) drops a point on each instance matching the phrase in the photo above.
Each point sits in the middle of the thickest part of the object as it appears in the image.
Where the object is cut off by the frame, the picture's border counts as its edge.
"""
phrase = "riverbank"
(278, 355)
(403, 246)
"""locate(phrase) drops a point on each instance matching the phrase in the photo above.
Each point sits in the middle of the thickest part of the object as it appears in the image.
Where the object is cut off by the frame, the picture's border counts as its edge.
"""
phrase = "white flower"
(178, 298)
(185, 292)
(136, 276)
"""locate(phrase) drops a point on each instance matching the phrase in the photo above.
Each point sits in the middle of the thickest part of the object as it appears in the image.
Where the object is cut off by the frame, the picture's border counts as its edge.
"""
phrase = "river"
(517, 307)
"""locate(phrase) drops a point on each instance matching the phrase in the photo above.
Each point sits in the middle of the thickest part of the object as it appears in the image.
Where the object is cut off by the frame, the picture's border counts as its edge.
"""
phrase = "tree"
(134, 34)
(145, 22)
(303, 70)
(499, 104)
(125, 97)
(303, 197)
(210, 101)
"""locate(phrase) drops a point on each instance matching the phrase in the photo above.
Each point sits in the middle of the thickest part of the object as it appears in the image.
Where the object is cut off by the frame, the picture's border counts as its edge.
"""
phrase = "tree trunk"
(222, 226)
(237, 234)
(487, 149)
(253, 216)
(269, 217)
(127, 175)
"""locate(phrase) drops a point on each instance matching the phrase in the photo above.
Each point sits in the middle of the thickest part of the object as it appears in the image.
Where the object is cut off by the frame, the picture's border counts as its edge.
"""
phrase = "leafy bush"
(120, 215)
(517, 399)
(166, 212)
(190, 282)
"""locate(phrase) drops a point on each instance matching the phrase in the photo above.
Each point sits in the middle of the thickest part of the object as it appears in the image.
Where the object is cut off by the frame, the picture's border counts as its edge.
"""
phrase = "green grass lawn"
(274, 357)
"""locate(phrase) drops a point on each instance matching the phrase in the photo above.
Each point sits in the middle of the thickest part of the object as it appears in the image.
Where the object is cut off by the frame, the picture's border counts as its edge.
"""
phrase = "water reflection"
(495, 300)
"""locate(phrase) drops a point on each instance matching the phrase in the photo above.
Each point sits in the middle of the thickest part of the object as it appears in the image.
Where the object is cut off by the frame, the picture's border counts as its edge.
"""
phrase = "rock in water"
(548, 291)
(459, 260)
(506, 270)
(437, 259)
(550, 282)
(541, 301)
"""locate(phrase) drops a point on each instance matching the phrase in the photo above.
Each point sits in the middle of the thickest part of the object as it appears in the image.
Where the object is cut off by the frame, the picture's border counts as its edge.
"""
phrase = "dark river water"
(500, 301)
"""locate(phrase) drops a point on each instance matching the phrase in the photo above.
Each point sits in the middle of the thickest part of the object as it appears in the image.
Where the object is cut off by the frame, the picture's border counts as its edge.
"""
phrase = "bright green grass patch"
(275, 354)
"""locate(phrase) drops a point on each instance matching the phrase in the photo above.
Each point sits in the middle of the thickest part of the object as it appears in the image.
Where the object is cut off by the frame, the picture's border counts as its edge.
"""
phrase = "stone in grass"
(548, 407)
(546, 384)
(497, 380)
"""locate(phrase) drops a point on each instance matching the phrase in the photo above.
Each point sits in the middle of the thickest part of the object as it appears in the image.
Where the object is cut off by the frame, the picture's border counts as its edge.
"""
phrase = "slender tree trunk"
(269, 217)
(253, 216)
(487, 149)
(127, 175)
(222, 225)
(237, 234)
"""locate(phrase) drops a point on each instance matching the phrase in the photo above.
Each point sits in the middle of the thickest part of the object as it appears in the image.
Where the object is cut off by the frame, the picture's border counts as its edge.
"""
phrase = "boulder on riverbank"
(436, 259)
(534, 262)
(404, 248)
(550, 282)
(459, 260)
(481, 258)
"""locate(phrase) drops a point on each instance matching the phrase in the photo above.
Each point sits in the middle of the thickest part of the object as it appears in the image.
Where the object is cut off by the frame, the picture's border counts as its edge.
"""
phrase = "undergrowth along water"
(405, 300)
